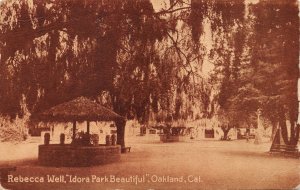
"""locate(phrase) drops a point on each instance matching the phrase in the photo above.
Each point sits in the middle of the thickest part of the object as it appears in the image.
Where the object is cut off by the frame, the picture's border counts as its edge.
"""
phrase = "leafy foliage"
(147, 60)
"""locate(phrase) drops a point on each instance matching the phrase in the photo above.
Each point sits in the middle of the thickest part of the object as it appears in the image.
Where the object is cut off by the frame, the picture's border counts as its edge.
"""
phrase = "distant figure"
(52, 131)
(247, 134)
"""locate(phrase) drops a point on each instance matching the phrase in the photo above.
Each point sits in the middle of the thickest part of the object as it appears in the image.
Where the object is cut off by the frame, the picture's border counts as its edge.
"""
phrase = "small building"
(84, 149)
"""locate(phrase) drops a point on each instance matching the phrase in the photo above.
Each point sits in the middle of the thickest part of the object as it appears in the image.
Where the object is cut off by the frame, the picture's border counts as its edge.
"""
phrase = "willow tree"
(151, 60)
(49, 52)
(54, 51)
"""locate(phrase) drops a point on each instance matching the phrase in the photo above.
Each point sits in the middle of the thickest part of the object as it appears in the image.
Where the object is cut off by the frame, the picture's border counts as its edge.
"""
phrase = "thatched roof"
(79, 109)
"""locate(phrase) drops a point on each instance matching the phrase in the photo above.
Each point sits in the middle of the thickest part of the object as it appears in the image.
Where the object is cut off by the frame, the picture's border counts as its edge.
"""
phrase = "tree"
(148, 60)
(276, 62)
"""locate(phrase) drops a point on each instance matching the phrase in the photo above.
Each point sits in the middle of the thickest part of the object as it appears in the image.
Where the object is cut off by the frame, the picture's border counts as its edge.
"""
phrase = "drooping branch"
(170, 11)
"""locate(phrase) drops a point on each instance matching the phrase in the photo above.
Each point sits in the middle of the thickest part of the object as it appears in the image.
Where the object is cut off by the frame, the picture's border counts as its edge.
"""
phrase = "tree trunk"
(294, 134)
(225, 133)
(283, 127)
(121, 132)
(294, 137)
(297, 134)
(273, 130)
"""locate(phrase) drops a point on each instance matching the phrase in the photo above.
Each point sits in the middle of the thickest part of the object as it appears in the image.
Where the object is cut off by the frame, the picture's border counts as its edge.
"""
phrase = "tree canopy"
(143, 59)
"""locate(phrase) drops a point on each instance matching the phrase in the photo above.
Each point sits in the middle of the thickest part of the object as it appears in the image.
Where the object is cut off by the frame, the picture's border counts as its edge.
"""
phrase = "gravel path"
(199, 164)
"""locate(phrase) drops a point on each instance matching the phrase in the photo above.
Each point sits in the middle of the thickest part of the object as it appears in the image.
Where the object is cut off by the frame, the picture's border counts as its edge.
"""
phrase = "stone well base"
(171, 138)
(74, 156)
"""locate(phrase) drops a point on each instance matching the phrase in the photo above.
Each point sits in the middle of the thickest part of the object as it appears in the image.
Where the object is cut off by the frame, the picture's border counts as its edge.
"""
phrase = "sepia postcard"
(149, 94)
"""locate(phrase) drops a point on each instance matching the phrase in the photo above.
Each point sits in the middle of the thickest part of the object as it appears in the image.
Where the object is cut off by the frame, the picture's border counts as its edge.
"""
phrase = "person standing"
(247, 134)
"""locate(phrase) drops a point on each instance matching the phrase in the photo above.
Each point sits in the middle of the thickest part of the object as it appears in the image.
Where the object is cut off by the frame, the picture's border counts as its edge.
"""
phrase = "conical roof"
(79, 109)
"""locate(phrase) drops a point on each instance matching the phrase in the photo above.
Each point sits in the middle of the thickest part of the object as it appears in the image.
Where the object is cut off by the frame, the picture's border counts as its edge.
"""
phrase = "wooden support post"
(88, 127)
(74, 130)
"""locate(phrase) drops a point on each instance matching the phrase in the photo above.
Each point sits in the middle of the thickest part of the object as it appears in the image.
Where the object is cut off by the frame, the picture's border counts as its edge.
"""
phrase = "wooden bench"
(125, 149)
(277, 148)
(4, 171)
(290, 150)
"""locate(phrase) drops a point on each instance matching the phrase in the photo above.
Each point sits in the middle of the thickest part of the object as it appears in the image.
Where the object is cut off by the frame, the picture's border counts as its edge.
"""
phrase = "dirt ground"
(201, 164)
